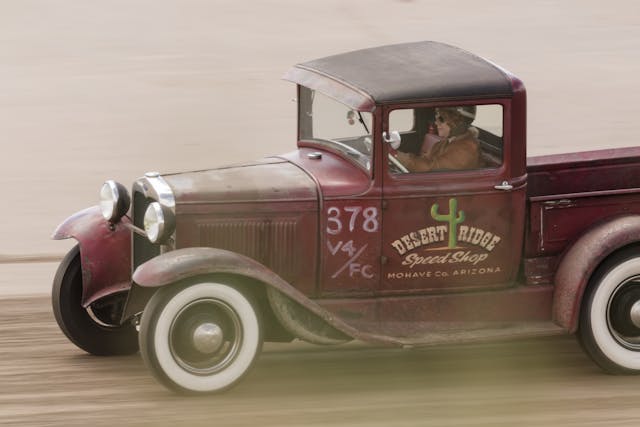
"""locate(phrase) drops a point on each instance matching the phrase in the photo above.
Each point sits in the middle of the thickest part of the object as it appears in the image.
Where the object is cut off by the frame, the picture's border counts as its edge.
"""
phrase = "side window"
(402, 120)
(463, 137)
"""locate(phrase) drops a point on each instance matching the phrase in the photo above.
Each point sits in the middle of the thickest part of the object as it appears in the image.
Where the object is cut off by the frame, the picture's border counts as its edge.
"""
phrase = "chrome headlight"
(114, 200)
(159, 222)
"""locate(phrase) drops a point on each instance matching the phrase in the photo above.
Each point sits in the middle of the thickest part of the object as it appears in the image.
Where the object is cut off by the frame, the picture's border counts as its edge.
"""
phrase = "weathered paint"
(582, 259)
(192, 262)
(269, 180)
(185, 263)
(335, 175)
(570, 193)
(105, 251)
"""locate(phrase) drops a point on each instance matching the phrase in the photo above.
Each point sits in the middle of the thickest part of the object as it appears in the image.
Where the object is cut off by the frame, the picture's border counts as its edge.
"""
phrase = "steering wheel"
(395, 166)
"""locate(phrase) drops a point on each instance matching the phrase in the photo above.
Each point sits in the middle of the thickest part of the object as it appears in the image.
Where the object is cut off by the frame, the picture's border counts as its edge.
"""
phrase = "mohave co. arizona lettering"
(453, 233)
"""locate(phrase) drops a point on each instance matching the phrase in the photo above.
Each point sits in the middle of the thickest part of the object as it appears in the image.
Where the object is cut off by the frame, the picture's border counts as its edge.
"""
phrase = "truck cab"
(409, 238)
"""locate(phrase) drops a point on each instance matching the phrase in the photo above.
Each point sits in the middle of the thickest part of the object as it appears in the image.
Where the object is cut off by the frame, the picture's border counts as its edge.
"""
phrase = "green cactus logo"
(453, 218)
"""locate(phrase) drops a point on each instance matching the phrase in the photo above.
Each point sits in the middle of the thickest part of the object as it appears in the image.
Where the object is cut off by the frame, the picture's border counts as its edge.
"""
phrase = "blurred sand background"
(91, 90)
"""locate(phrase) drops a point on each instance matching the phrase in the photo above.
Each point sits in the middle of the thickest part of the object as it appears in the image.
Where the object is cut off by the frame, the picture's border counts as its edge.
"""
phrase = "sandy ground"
(91, 90)
(544, 382)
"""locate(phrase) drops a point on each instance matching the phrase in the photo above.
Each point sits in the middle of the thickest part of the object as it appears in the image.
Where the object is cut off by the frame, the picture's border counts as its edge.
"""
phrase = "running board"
(421, 334)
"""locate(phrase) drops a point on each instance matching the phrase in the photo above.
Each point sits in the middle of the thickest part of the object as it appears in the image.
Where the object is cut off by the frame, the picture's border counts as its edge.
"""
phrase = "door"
(452, 230)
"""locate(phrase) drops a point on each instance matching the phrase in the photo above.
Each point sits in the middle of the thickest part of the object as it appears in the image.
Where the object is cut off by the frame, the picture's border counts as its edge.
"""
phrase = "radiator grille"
(272, 243)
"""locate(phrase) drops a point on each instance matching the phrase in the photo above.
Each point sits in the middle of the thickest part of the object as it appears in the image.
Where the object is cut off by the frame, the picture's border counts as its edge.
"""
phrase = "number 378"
(352, 217)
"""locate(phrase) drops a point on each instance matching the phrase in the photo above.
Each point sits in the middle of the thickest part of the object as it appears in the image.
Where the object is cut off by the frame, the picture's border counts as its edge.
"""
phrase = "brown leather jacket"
(457, 152)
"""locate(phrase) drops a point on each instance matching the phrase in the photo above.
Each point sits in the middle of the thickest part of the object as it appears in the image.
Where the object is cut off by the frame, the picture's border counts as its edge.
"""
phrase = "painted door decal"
(464, 248)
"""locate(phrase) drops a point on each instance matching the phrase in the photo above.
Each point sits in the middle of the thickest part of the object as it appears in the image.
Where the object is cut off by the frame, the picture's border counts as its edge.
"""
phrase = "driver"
(458, 147)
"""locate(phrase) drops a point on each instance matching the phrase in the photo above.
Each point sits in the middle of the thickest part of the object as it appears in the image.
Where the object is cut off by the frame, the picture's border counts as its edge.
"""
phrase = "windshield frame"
(362, 157)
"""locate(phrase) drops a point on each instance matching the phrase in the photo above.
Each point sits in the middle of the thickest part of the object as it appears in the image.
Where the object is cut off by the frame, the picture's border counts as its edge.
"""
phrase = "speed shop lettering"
(453, 233)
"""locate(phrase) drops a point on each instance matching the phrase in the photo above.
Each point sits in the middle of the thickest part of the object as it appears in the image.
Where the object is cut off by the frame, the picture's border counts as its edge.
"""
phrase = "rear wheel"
(95, 329)
(610, 316)
(199, 338)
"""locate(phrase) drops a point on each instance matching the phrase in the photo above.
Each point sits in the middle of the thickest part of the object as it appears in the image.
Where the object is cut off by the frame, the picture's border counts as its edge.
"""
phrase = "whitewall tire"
(199, 338)
(609, 328)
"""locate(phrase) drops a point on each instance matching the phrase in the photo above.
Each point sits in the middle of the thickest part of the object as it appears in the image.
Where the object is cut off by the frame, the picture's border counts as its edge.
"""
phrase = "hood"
(335, 175)
(270, 179)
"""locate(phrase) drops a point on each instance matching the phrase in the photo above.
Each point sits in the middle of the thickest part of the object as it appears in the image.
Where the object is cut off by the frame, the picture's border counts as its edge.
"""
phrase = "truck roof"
(403, 73)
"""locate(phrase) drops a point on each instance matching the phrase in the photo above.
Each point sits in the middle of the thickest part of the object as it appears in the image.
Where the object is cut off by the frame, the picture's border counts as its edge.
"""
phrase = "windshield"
(330, 123)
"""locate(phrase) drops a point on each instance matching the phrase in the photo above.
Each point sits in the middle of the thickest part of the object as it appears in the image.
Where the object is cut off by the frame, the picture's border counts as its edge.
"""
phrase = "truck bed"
(570, 193)
(586, 172)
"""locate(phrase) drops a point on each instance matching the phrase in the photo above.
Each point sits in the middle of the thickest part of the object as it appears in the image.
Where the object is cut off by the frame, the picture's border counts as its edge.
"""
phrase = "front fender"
(182, 264)
(105, 252)
(581, 261)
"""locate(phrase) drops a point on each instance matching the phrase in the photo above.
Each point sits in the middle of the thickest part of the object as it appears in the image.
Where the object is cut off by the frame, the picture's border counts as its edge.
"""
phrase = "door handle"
(505, 186)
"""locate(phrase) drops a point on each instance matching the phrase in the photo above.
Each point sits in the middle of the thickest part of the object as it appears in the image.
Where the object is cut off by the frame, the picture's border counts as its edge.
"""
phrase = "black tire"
(200, 338)
(609, 329)
(89, 334)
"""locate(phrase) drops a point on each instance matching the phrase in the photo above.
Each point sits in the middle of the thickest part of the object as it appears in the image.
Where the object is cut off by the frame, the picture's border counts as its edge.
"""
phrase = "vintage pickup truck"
(337, 240)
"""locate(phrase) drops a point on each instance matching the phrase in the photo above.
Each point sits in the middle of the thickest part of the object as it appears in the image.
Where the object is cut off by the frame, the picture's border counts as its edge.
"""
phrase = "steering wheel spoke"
(395, 166)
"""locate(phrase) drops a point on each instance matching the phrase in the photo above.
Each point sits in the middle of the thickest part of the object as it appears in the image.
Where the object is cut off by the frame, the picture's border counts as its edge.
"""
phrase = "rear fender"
(581, 261)
(105, 252)
(181, 264)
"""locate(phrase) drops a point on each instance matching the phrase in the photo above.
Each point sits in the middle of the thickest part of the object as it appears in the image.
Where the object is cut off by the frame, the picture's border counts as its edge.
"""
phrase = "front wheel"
(92, 329)
(610, 316)
(199, 338)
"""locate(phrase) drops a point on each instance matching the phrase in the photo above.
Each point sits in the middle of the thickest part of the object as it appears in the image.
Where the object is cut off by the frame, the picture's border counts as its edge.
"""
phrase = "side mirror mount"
(393, 139)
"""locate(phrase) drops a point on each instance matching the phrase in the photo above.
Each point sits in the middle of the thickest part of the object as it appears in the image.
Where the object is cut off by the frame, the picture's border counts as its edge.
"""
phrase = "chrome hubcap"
(635, 314)
(208, 338)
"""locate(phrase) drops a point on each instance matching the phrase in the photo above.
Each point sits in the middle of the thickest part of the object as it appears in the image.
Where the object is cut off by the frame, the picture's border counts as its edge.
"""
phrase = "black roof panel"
(420, 71)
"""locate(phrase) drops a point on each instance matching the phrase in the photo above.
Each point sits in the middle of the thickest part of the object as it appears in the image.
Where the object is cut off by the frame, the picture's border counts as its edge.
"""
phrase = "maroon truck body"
(334, 243)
